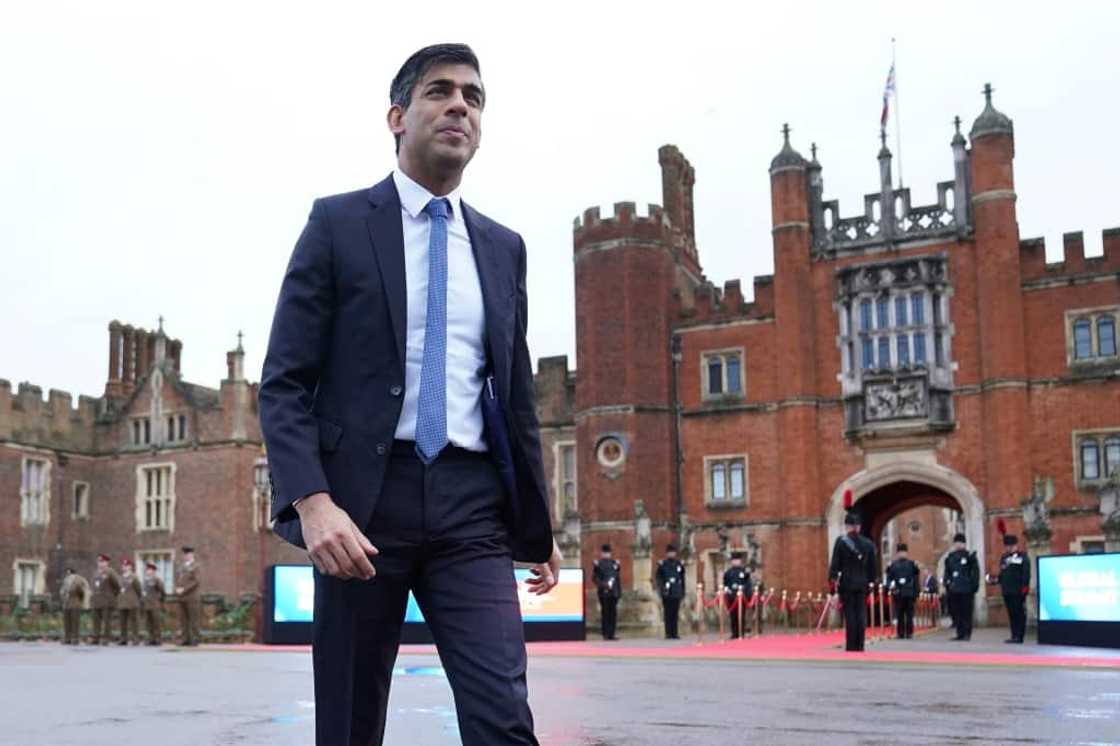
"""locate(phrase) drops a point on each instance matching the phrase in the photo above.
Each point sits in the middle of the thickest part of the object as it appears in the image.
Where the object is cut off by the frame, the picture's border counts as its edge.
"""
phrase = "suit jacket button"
(381, 449)
(395, 390)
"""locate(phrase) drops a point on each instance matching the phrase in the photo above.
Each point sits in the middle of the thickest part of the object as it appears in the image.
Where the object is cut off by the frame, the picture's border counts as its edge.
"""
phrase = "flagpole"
(897, 116)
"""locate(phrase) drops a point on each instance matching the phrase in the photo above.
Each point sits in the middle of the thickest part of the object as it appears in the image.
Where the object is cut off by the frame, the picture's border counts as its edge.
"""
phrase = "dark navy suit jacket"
(333, 380)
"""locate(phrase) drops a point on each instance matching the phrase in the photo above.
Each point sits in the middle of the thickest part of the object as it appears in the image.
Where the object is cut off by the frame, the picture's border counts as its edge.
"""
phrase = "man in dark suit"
(398, 411)
(851, 571)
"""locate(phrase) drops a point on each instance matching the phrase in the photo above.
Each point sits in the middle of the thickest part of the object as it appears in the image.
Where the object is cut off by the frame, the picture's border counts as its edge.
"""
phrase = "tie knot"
(438, 207)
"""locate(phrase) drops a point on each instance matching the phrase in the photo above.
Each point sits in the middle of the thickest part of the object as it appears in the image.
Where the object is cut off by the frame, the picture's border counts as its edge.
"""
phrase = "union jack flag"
(888, 91)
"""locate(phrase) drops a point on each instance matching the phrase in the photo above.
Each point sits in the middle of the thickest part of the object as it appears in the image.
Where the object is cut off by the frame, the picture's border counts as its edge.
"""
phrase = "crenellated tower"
(627, 267)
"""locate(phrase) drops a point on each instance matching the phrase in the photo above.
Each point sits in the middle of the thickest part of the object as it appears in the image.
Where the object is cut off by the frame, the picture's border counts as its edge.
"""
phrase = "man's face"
(442, 125)
(736, 562)
(853, 528)
(149, 573)
(958, 545)
(188, 557)
(902, 554)
(671, 555)
(101, 565)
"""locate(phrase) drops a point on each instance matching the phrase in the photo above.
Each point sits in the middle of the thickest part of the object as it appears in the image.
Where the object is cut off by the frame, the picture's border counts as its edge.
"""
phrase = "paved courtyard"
(630, 693)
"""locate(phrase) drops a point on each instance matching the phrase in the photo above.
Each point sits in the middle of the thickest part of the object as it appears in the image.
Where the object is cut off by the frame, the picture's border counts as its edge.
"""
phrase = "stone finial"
(240, 336)
(990, 121)
(787, 157)
(958, 138)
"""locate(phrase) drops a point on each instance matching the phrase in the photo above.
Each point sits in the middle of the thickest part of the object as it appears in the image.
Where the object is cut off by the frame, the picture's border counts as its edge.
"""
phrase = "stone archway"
(942, 481)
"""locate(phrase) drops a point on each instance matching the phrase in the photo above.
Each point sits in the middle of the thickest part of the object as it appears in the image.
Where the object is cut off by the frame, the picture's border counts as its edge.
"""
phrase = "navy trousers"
(440, 533)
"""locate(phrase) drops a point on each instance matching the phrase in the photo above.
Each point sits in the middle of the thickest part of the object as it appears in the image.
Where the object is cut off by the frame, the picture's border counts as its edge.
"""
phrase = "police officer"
(607, 576)
(903, 579)
(962, 580)
(128, 604)
(106, 588)
(74, 591)
(152, 604)
(1014, 580)
(736, 578)
(670, 584)
(851, 571)
(190, 601)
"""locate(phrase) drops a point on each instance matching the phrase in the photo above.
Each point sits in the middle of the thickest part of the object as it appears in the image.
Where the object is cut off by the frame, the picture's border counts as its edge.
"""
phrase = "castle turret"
(999, 303)
(794, 350)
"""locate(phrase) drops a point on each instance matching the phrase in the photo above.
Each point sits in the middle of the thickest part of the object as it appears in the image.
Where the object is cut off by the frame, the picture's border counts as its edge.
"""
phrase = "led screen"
(294, 597)
(1079, 588)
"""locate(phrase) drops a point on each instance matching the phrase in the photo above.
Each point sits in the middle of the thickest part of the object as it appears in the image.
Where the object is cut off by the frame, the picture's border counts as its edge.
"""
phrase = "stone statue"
(642, 538)
(1036, 513)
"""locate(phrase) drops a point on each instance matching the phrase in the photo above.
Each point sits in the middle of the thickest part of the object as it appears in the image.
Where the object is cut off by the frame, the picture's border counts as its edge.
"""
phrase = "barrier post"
(720, 599)
(699, 612)
(739, 609)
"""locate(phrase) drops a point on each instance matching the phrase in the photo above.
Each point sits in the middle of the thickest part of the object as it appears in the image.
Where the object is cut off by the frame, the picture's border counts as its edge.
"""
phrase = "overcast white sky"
(160, 162)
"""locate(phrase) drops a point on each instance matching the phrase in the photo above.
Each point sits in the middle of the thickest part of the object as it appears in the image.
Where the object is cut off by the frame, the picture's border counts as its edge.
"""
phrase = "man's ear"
(395, 119)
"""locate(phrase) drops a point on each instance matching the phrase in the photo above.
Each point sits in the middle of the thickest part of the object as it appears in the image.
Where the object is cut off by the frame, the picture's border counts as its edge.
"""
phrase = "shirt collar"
(414, 197)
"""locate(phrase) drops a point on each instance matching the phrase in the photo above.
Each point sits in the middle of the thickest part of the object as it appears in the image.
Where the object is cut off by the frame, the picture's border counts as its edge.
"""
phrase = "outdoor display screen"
(1079, 588)
(294, 597)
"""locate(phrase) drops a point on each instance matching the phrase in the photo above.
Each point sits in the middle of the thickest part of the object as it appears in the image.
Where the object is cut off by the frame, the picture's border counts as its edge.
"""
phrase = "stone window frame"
(39, 584)
(141, 558)
(35, 507)
(169, 499)
(559, 482)
(175, 427)
(140, 431)
(726, 460)
(262, 496)
(1100, 436)
(1094, 316)
(80, 512)
(854, 337)
(725, 353)
(1077, 546)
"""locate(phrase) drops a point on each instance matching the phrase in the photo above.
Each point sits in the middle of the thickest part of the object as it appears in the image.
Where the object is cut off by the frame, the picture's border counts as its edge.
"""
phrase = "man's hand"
(335, 544)
(547, 574)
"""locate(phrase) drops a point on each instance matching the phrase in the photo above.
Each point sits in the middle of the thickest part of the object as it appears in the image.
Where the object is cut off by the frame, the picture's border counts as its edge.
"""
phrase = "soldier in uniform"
(670, 585)
(74, 592)
(851, 571)
(607, 576)
(128, 603)
(190, 601)
(1014, 580)
(903, 579)
(962, 580)
(152, 604)
(106, 588)
(736, 578)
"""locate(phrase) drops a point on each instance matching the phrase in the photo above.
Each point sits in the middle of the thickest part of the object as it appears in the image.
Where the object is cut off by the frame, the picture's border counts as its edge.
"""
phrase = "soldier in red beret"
(128, 603)
(152, 604)
(106, 588)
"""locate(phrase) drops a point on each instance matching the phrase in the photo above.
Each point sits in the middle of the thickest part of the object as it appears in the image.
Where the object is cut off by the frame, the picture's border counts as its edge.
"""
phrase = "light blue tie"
(431, 416)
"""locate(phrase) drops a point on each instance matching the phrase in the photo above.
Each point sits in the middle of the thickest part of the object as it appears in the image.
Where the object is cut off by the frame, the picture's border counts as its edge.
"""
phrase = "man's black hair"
(421, 61)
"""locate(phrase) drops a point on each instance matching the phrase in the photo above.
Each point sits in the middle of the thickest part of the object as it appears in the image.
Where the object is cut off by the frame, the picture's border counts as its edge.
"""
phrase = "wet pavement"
(57, 695)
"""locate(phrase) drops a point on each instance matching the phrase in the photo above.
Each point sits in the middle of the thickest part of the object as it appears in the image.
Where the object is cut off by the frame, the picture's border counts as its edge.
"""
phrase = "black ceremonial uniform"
(1014, 581)
(902, 579)
(962, 580)
(853, 564)
(607, 576)
(670, 584)
(734, 579)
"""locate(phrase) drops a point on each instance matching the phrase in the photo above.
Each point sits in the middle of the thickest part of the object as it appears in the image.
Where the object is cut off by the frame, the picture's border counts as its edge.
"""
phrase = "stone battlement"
(53, 422)
(592, 227)
(710, 304)
(1032, 253)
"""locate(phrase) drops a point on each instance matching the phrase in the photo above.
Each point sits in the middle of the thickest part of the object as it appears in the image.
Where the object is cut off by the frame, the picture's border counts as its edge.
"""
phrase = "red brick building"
(924, 357)
(154, 464)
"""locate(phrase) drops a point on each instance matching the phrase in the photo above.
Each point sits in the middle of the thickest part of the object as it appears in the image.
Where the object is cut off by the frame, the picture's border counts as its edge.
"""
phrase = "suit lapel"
(490, 271)
(387, 234)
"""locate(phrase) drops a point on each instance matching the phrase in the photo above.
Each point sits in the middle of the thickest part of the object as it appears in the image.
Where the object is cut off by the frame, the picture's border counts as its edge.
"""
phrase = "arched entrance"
(884, 492)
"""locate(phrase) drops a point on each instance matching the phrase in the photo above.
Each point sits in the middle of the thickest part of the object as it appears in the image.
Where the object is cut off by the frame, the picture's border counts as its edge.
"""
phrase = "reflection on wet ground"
(62, 696)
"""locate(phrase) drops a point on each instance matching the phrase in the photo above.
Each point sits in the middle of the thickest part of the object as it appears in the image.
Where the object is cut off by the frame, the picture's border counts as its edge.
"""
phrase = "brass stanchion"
(699, 612)
(739, 609)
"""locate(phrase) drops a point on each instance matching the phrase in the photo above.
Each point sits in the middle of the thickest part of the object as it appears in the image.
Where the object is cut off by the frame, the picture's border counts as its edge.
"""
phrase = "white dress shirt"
(466, 318)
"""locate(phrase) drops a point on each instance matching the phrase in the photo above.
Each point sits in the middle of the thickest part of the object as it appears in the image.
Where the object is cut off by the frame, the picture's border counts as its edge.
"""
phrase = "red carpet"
(779, 647)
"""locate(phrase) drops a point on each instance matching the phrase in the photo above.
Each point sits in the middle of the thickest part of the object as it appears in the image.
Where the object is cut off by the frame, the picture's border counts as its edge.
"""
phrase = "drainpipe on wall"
(678, 451)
